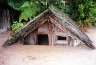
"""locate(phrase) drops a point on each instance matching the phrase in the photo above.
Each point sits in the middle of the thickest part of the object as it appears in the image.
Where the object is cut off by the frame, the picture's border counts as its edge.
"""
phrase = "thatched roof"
(64, 20)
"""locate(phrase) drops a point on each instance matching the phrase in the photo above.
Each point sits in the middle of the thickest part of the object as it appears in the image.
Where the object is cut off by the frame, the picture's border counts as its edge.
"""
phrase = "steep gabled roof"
(63, 20)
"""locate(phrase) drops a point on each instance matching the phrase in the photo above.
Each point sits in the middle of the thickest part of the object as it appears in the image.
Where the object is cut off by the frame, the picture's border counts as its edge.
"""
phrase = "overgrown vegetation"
(17, 26)
(82, 11)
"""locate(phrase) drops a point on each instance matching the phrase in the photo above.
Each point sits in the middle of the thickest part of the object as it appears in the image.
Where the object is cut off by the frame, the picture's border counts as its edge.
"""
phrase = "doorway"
(42, 39)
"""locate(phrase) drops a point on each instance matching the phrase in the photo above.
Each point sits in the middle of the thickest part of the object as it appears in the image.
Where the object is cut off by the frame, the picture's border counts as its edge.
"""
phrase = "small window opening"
(61, 38)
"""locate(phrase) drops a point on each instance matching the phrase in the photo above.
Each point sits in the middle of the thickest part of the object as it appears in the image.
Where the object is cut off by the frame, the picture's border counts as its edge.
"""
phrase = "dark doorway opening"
(43, 39)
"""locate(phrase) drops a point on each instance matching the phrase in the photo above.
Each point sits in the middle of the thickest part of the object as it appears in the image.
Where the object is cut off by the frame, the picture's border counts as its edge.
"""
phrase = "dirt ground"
(47, 55)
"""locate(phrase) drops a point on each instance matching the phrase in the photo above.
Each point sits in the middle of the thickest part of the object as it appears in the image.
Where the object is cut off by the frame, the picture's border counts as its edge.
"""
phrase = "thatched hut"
(51, 27)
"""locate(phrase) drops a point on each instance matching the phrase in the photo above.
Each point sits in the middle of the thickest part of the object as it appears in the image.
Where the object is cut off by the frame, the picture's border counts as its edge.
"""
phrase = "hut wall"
(44, 29)
(31, 39)
(53, 33)
(59, 33)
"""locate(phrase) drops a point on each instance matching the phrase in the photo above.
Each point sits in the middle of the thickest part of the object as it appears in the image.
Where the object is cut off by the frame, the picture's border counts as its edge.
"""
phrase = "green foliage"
(28, 10)
(17, 26)
(16, 3)
(82, 11)
(31, 8)
(60, 4)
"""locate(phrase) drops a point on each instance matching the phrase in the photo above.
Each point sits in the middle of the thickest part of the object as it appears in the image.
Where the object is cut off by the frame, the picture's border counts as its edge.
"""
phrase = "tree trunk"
(4, 20)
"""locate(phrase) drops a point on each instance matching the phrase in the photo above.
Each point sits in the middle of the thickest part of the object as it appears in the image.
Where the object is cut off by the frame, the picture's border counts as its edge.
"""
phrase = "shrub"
(17, 26)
